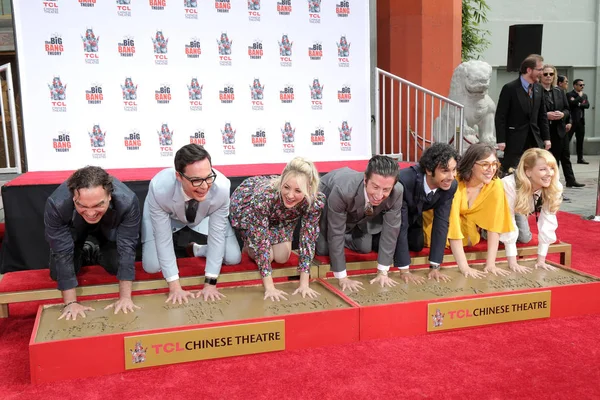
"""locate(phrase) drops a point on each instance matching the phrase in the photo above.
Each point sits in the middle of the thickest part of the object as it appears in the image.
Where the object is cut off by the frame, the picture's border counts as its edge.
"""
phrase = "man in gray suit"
(360, 206)
(178, 200)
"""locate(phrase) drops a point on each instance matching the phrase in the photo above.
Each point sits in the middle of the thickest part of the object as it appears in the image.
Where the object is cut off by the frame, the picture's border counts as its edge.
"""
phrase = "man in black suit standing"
(578, 101)
(428, 185)
(521, 121)
(557, 110)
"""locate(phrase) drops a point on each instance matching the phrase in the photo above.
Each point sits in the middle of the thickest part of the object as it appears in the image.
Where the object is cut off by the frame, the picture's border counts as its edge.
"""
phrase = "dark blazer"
(578, 106)
(345, 211)
(413, 205)
(517, 116)
(560, 104)
(64, 226)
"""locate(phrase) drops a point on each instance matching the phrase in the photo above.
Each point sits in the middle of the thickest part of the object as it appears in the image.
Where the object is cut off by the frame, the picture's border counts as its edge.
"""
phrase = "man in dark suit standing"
(557, 109)
(428, 185)
(360, 206)
(578, 101)
(92, 204)
(521, 121)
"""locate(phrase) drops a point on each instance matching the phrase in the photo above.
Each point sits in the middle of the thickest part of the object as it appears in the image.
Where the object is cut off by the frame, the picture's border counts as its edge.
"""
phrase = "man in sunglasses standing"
(578, 101)
(521, 120)
(175, 214)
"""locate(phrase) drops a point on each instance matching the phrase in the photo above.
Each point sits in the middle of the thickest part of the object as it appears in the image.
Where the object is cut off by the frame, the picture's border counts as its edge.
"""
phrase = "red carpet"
(96, 275)
(549, 359)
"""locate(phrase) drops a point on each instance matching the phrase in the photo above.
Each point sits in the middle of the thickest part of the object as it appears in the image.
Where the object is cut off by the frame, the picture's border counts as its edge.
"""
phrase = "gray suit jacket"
(164, 213)
(345, 211)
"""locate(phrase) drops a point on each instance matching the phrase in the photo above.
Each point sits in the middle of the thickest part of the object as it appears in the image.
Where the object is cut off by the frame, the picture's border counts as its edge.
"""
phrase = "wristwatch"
(433, 266)
(210, 281)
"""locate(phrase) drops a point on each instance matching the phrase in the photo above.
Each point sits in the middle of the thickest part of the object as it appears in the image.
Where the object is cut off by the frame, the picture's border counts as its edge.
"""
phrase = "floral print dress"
(258, 212)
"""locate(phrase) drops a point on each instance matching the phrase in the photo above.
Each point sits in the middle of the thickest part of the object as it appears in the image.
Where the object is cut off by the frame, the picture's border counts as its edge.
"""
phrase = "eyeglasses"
(486, 165)
(196, 182)
(548, 73)
(581, 84)
(539, 69)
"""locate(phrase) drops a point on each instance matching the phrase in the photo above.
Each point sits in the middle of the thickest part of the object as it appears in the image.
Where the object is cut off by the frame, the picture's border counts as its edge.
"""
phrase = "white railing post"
(10, 94)
(447, 108)
(377, 116)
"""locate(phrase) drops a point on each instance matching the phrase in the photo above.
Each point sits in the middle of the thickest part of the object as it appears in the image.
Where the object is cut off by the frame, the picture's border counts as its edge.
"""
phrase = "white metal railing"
(413, 117)
(13, 164)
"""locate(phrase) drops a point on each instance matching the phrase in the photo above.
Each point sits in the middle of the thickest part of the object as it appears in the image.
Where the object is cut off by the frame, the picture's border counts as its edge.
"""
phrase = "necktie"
(530, 90)
(190, 211)
(368, 209)
(429, 196)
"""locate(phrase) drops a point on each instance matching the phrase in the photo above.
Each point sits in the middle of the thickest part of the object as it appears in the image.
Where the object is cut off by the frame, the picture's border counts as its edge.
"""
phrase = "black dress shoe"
(575, 184)
(582, 161)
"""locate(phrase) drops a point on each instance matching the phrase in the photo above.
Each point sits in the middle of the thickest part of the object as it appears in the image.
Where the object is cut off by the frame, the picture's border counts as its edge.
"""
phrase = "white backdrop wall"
(75, 57)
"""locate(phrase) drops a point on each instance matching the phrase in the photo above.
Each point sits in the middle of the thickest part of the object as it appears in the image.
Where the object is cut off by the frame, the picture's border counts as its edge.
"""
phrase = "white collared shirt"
(343, 274)
(547, 222)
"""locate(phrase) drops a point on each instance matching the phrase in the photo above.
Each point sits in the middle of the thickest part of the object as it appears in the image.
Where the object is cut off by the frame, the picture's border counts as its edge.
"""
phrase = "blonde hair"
(300, 168)
(555, 78)
(551, 196)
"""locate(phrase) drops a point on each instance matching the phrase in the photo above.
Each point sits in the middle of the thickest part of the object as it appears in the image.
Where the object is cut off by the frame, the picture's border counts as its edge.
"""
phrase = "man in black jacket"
(557, 110)
(578, 101)
(429, 185)
(89, 204)
(521, 121)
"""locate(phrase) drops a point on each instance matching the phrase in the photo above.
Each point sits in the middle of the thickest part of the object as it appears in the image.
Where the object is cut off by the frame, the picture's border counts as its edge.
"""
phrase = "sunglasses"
(548, 73)
(581, 84)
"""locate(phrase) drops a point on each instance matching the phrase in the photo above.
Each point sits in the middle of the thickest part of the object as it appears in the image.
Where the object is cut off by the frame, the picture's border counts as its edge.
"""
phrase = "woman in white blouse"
(533, 188)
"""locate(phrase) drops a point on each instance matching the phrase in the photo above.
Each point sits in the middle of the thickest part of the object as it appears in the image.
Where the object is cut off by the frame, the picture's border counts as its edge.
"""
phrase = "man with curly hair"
(92, 218)
(430, 185)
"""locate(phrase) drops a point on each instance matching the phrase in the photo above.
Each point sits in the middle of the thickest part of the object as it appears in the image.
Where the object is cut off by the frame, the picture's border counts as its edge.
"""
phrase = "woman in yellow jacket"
(479, 203)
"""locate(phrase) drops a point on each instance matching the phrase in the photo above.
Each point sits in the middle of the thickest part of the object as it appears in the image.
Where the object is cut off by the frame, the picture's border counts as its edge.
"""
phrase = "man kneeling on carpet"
(533, 188)
(361, 207)
(265, 210)
(92, 218)
(178, 202)
(429, 185)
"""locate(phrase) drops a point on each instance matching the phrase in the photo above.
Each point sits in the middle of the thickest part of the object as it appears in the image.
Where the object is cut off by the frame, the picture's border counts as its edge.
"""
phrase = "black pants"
(183, 237)
(105, 254)
(560, 151)
(415, 238)
(579, 131)
(512, 156)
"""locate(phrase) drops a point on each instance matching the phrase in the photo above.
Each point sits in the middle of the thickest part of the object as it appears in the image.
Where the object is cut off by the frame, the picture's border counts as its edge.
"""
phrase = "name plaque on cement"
(459, 285)
(240, 303)
(203, 344)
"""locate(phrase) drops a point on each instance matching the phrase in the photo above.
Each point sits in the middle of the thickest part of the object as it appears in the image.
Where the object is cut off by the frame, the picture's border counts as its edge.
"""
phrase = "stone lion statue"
(469, 87)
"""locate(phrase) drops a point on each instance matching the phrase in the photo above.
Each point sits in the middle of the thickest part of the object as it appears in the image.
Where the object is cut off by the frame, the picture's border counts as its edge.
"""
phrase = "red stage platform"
(166, 334)
(61, 349)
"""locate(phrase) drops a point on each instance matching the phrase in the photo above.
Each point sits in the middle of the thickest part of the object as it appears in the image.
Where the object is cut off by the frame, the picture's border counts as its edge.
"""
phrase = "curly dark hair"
(438, 155)
(189, 154)
(474, 153)
(90, 177)
(382, 165)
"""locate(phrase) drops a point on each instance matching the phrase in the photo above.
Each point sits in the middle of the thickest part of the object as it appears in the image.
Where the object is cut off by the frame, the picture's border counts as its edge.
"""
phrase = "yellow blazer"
(489, 211)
